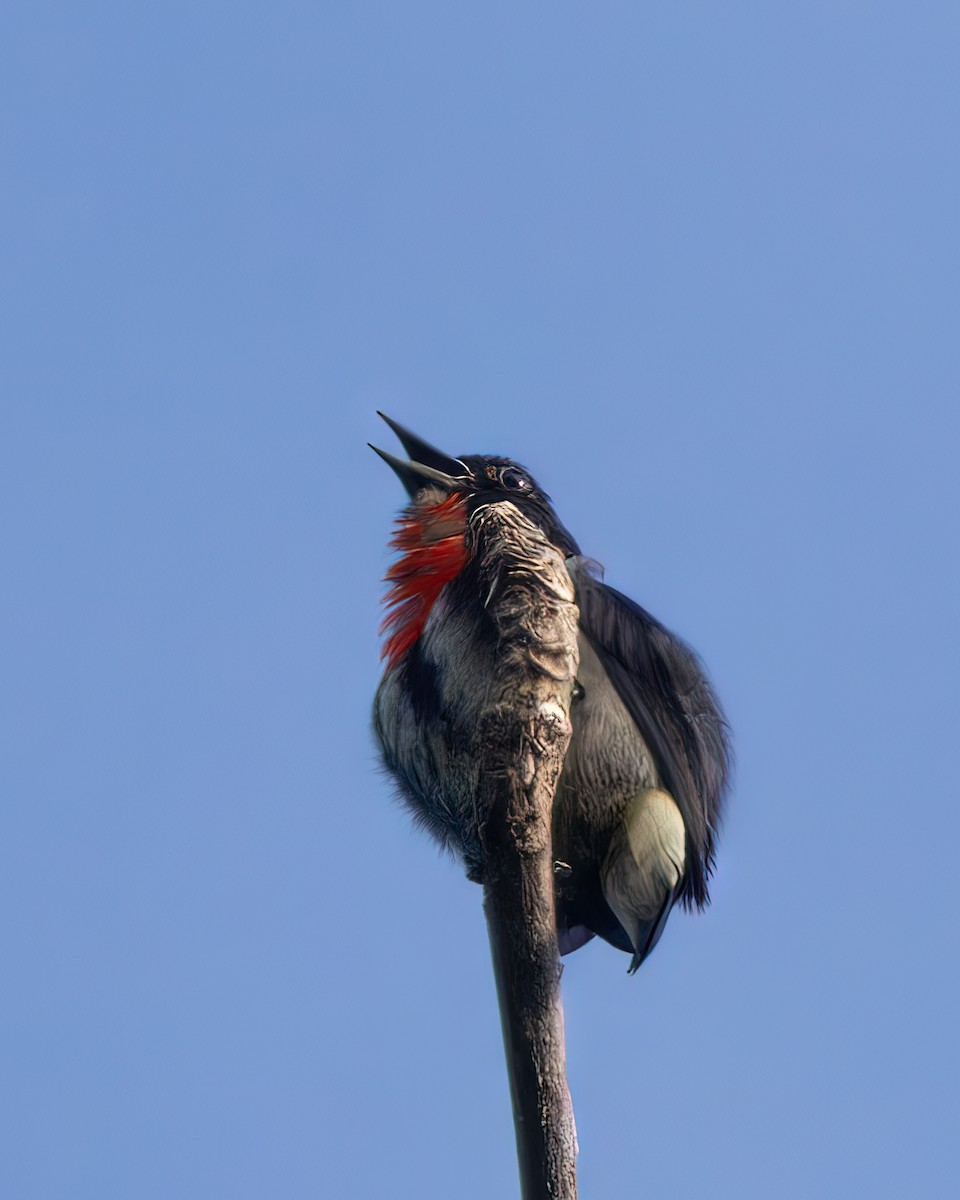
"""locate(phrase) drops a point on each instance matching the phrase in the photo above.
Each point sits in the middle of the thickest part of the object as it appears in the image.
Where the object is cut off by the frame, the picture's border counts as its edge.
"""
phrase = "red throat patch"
(431, 540)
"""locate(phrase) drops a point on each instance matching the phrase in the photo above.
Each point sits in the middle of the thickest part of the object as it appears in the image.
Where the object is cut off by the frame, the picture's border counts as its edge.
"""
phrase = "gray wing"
(665, 689)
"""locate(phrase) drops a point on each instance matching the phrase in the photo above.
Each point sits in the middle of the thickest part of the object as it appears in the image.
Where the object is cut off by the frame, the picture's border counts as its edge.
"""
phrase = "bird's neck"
(430, 536)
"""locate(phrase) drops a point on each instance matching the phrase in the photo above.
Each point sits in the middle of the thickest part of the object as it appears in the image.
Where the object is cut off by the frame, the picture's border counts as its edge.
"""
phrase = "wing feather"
(665, 689)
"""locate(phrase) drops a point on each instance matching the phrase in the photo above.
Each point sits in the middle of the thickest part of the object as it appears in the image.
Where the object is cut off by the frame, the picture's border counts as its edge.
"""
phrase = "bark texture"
(522, 739)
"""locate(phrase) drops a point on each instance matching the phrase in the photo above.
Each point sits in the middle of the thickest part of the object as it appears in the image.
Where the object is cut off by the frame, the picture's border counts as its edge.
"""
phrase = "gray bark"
(522, 739)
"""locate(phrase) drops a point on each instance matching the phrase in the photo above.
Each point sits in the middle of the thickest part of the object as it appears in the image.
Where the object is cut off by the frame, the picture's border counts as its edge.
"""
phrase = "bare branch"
(522, 739)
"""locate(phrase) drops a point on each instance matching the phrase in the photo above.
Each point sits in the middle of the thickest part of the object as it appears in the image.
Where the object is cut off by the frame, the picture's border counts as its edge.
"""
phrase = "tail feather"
(643, 868)
(654, 930)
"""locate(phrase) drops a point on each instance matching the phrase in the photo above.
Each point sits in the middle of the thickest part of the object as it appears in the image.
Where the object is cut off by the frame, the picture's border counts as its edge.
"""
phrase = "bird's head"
(431, 534)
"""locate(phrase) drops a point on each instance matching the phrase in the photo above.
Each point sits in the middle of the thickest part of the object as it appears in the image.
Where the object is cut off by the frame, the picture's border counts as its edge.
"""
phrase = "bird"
(642, 790)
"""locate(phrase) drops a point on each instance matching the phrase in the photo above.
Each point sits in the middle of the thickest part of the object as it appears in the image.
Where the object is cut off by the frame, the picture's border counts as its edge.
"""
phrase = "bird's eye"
(511, 478)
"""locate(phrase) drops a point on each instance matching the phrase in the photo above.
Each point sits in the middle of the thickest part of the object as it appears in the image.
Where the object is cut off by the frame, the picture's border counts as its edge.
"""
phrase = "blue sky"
(697, 267)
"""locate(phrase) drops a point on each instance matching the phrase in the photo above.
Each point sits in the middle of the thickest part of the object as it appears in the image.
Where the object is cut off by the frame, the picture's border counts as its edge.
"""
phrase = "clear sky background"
(696, 265)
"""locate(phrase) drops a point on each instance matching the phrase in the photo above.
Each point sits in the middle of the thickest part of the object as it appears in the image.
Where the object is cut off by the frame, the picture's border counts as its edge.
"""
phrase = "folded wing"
(665, 689)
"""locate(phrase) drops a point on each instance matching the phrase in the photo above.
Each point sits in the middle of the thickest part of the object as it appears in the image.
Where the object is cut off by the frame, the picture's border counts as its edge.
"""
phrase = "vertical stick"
(519, 906)
(522, 739)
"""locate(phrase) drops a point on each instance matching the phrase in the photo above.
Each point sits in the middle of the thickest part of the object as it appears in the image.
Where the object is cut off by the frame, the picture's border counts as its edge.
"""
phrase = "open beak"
(426, 467)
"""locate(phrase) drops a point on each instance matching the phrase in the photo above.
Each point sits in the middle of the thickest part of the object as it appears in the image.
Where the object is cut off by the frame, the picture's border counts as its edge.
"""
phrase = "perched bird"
(637, 807)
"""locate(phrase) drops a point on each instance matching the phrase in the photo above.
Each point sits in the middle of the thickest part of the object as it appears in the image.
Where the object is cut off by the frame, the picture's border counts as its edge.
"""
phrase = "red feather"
(432, 541)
